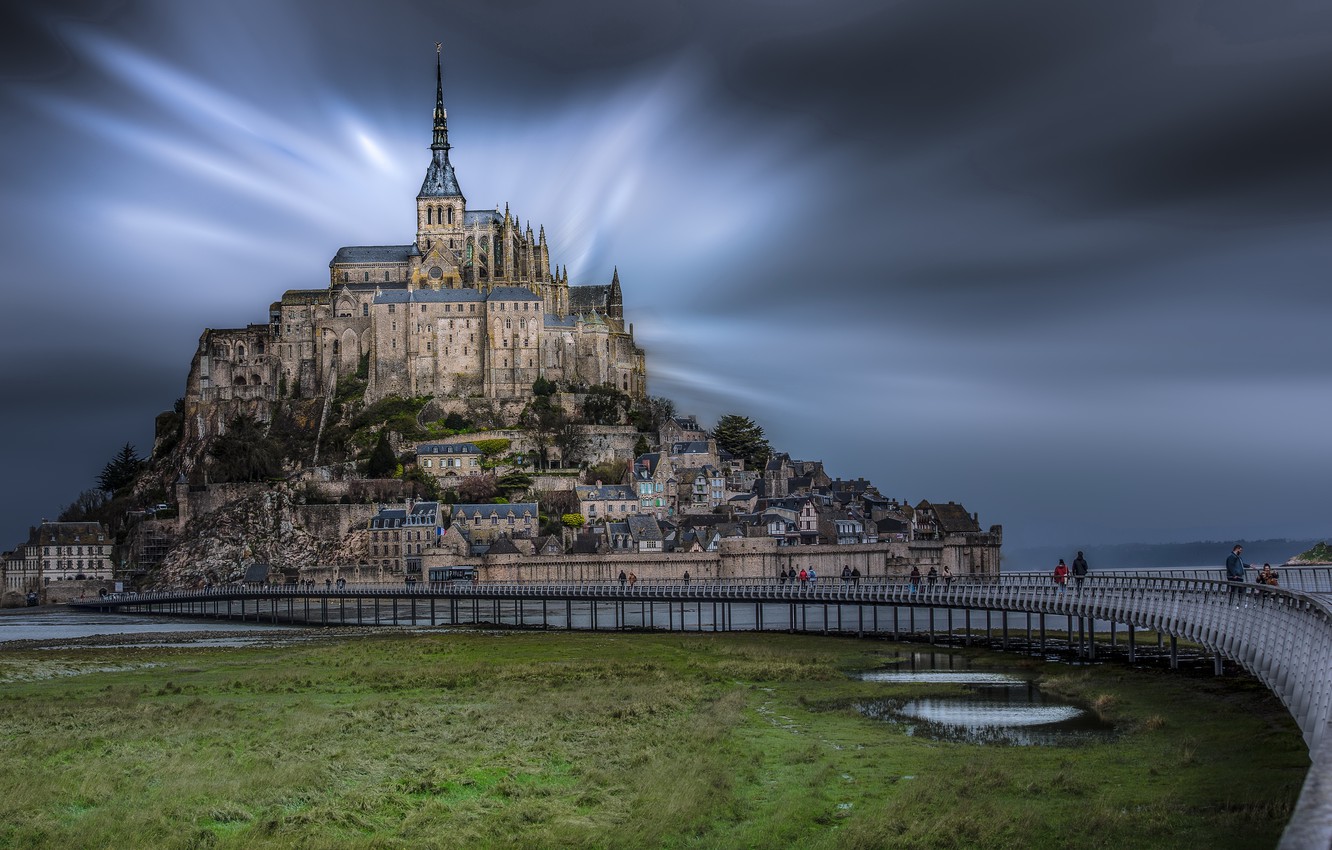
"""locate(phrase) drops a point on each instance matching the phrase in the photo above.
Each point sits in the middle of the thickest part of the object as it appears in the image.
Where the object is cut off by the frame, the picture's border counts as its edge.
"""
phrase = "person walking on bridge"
(915, 578)
(1061, 575)
(931, 577)
(1079, 570)
(1235, 568)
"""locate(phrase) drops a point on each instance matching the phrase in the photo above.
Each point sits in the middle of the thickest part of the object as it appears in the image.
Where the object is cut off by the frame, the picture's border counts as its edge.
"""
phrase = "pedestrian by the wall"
(932, 577)
(813, 576)
(686, 577)
(1079, 570)
(623, 578)
(1061, 575)
(846, 574)
(947, 577)
(915, 579)
(781, 576)
(804, 577)
(855, 575)
(1235, 568)
(633, 579)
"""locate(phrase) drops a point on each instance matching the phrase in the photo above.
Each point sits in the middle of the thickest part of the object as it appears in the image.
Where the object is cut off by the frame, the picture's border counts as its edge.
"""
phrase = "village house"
(449, 463)
(60, 551)
(606, 501)
(483, 524)
(654, 483)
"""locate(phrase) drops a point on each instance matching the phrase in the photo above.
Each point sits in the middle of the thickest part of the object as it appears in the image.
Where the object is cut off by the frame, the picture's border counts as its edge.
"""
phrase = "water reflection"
(999, 708)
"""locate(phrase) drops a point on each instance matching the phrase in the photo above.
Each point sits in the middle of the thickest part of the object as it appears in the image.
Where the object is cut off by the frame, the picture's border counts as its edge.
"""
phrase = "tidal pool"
(999, 708)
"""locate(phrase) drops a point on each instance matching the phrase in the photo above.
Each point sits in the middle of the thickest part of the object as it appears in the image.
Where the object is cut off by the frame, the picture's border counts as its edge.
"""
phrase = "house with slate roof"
(400, 536)
(60, 551)
(449, 463)
(471, 306)
(644, 533)
(680, 429)
(482, 524)
(606, 501)
(652, 477)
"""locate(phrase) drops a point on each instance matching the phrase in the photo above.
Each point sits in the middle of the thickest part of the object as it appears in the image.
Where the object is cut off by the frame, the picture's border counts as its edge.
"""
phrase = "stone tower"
(440, 205)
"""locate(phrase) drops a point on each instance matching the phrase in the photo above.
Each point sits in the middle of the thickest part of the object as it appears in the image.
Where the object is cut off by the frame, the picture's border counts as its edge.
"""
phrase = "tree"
(121, 470)
(573, 520)
(382, 460)
(652, 413)
(603, 404)
(478, 488)
(740, 436)
(245, 453)
(642, 447)
(542, 387)
(514, 482)
(608, 472)
(88, 506)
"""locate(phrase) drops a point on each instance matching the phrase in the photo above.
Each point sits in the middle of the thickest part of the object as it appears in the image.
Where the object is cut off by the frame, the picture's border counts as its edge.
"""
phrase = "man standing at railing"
(1079, 570)
(1235, 567)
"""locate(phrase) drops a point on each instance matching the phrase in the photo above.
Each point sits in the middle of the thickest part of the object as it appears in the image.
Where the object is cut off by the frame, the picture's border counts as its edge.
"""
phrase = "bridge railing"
(1016, 590)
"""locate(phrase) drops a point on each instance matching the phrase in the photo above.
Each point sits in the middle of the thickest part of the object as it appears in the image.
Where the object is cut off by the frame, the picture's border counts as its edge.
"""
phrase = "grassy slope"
(525, 740)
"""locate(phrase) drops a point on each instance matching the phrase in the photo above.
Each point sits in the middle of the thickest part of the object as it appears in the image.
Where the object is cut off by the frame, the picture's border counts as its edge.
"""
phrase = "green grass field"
(605, 740)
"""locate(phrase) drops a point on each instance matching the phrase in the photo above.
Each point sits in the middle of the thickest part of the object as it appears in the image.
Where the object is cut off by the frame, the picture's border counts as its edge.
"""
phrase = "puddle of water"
(940, 677)
(1000, 708)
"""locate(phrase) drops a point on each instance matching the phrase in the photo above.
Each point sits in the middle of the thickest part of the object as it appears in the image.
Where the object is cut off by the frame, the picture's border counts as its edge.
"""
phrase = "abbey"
(470, 308)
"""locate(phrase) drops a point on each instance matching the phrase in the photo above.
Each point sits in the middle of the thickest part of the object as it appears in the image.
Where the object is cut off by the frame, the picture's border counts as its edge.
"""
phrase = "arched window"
(240, 380)
(450, 215)
(261, 346)
(240, 351)
(430, 215)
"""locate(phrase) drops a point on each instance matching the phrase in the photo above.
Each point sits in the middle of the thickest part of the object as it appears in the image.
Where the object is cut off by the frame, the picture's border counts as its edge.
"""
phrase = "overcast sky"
(1063, 262)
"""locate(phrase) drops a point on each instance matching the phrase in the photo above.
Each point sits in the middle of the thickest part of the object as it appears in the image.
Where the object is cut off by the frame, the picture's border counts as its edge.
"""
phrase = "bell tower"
(440, 203)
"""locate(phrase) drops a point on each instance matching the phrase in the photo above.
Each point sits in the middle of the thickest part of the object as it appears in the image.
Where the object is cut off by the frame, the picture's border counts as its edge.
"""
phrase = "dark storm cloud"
(993, 252)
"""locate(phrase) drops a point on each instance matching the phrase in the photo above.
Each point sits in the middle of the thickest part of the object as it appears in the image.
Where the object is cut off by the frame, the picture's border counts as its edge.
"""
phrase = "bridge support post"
(895, 629)
(931, 611)
(1218, 664)
(989, 626)
(966, 620)
(1112, 637)
(860, 622)
(568, 614)
(1005, 630)
(1132, 645)
(1174, 653)
(1042, 633)
(1028, 631)
(950, 625)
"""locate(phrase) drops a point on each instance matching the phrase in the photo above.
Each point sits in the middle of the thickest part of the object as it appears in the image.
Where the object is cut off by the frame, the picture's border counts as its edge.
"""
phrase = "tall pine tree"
(740, 436)
(121, 470)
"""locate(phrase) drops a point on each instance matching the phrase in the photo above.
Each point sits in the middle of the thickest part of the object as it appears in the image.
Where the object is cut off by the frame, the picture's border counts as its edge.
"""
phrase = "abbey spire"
(440, 181)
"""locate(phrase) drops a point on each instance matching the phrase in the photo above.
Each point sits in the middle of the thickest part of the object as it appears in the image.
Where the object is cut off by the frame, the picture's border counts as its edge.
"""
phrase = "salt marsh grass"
(528, 740)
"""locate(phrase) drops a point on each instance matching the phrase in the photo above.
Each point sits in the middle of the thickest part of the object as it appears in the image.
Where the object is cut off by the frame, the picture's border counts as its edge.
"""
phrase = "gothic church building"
(471, 308)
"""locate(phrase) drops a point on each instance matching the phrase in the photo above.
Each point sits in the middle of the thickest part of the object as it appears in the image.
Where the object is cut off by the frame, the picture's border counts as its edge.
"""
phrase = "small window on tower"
(365, 309)
(367, 277)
